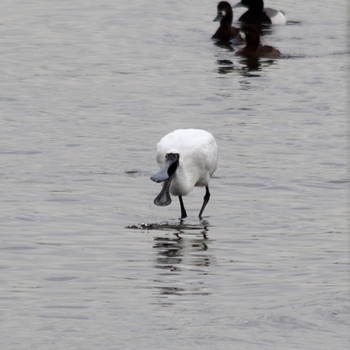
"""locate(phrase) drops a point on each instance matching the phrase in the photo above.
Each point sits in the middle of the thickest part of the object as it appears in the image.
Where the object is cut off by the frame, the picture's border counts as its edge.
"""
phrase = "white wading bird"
(187, 158)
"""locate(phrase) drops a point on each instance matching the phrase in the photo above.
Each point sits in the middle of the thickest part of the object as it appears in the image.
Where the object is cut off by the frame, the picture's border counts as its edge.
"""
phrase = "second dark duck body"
(258, 14)
(225, 32)
(253, 48)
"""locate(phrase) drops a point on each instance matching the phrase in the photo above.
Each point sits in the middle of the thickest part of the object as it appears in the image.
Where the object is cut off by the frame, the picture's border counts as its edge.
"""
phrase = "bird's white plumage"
(198, 158)
(276, 17)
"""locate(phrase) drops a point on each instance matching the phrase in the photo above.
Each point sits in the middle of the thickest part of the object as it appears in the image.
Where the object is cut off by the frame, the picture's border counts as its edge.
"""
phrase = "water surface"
(87, 260)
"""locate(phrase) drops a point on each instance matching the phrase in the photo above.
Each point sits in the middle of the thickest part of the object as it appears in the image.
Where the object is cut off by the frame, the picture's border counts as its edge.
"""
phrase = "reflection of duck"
(250, 66)
(225, 66)
(188, 158)
(257, 14)
(253, 48)
(225, 32)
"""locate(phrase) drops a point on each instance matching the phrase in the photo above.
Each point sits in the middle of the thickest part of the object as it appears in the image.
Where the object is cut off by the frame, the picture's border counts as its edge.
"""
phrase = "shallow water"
(88, 261)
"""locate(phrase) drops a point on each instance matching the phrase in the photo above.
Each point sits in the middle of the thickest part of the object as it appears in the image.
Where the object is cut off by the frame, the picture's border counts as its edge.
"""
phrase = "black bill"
(166, 175)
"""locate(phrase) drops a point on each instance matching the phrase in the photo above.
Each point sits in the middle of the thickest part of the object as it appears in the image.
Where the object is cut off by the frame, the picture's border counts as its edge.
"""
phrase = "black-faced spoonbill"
(187, 158)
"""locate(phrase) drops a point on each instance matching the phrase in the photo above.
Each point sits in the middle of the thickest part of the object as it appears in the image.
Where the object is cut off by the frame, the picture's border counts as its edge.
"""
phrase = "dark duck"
(225, 33)
(253, 48)
(257, 14)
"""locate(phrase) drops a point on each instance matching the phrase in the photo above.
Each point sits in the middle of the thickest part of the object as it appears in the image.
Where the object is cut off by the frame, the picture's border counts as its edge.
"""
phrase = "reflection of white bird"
(188, 158)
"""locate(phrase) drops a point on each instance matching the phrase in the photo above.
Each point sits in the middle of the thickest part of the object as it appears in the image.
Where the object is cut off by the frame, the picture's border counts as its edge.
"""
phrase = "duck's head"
(251, 35)
(255, 4)
(224, 8)
(166, 175)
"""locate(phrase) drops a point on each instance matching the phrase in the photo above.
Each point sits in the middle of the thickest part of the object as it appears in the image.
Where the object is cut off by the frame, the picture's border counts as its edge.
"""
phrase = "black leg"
(183, 210)
(205, 201)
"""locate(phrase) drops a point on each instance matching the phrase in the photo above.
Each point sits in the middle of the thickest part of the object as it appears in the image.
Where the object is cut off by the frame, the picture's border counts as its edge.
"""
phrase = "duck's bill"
(239, 4)
(219, 17)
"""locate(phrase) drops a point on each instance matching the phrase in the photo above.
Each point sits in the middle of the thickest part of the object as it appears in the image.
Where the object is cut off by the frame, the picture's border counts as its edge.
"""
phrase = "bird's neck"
(227, 20)
(185, 179)
(253, 42)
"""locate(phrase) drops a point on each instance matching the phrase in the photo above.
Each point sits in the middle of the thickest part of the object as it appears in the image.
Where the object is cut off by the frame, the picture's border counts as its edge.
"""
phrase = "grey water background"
(87, 260)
